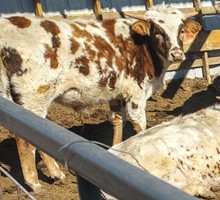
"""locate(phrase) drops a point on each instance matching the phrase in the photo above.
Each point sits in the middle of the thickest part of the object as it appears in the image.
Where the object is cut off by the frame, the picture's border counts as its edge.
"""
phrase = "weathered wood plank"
(204, 41)
(194, 63)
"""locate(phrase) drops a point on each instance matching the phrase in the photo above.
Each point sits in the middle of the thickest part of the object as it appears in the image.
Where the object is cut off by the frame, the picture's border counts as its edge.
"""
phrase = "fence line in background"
(98, 167)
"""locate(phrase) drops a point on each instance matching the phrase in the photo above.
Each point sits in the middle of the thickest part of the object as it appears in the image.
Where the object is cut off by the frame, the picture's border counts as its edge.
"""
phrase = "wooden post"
(98, 9)
(149, 3)
(206, 70)
(38, 8)
(197, 4)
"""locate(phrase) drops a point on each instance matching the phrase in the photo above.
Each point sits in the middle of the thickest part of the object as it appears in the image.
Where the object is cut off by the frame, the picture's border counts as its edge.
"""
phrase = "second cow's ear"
(192, 26)
(141, 27)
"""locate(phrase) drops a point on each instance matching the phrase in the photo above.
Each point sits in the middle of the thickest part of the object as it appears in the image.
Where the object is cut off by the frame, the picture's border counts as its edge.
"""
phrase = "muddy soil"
(182, 96)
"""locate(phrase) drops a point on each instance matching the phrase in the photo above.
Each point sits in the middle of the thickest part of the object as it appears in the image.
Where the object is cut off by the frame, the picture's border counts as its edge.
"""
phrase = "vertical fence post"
(98, 9)
(38, 8)
(87, 191)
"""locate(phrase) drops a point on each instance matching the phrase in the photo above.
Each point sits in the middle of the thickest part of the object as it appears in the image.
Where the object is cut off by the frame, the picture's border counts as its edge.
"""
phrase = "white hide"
(184, 152)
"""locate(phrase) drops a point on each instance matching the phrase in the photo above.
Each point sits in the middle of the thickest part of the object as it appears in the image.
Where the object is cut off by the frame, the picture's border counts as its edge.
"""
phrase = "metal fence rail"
(100, 168)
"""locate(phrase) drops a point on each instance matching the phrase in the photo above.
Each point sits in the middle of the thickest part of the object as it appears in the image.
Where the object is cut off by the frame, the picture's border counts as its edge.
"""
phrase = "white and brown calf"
(184, 152)
(85, 62)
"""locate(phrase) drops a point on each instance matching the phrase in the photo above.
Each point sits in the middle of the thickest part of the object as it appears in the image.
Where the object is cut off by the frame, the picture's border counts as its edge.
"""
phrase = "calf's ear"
(141, 27)
(192, 27)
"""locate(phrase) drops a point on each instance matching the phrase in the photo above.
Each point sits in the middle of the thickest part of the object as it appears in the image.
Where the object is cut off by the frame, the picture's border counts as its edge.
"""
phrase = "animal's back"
(185, 151)
(82, 59)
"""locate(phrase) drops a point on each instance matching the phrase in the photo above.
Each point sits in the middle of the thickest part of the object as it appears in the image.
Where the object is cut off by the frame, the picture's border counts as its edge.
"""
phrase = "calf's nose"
(177, 54)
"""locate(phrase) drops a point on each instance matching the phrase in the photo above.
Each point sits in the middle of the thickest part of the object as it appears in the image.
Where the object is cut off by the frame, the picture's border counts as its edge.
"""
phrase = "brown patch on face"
(51, 54)
(74, 45)
(12, 61)
(52, 28)
(20, 22)
(161, 40)
(161, 21)
(134, 105)
(140, 55)
(174, 13)
(83, 65)
(15, 96)
(43, 89)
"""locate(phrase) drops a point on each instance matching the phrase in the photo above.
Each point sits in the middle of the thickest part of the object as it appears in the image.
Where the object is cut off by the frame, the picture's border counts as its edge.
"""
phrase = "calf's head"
(166, 28)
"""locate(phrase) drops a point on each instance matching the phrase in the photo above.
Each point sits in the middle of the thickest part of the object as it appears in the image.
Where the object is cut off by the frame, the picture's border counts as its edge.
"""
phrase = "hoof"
(37, 188)
(63, 178)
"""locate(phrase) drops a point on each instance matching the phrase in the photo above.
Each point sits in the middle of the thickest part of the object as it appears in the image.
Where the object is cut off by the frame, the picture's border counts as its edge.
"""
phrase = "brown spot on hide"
(43, 89)
(81, 33)
(52, 28)
(134, 106)
(74, 45)
(105, 49)
(109, 79)
(20, 22)
(109, 25)
(90, 51)
(174, 13)
(12, 61)
(210, 175)
(83, 65)
(117, 41)
(217, 150)
(51, 54)
(207, 166)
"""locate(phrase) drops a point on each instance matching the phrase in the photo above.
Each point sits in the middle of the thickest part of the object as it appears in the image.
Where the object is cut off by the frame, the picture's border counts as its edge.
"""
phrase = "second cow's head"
(166, 26)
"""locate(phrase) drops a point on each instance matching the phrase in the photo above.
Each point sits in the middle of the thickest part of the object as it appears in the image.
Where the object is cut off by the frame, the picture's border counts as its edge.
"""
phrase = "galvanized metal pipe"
(90, 161)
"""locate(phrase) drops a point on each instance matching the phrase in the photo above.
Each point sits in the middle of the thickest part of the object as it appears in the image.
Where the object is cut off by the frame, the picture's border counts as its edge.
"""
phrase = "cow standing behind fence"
(184, 152)
(85, 62)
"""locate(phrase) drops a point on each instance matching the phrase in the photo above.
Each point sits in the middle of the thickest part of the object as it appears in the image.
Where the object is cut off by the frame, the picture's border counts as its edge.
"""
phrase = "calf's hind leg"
(27, 156)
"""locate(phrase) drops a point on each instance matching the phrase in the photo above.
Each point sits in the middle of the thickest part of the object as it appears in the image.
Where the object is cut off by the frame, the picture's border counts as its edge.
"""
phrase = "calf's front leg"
(26, 154)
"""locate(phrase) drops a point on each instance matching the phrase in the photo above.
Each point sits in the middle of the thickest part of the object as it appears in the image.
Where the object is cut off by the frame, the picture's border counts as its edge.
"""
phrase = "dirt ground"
(182, 96)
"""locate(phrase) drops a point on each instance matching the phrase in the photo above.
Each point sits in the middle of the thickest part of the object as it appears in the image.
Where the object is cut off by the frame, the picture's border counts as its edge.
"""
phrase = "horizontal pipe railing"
(99, 167)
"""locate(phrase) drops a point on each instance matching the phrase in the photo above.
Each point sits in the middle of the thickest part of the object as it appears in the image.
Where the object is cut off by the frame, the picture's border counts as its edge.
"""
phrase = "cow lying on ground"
(82, 63)
(185, 152)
